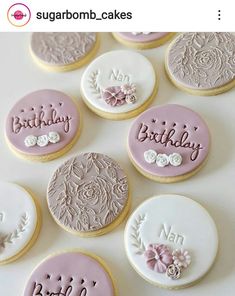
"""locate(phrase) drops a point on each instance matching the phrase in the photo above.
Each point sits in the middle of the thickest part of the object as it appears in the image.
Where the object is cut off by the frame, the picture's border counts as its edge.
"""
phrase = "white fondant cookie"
(171, 241)
(19, 221)
(119, 84)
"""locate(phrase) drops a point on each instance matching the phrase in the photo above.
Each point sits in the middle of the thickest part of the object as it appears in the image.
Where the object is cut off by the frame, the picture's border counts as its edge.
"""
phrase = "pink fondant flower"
(159, 257)
(114, 96)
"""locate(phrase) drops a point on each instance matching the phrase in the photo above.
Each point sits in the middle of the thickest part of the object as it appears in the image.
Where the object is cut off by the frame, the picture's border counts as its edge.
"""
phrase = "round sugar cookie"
(168, 143)
(19, 222)
(63, 51)
(114, 86)
(202, 63)
(88, 195)
(171, 241)
(142, 40)
(43, 125)
(71, 273)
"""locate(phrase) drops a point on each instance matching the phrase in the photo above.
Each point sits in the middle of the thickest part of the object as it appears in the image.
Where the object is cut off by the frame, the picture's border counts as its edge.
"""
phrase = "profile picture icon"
(19, 14)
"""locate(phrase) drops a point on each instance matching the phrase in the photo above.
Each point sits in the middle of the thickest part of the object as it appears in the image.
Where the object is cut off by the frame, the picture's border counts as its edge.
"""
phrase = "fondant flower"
(42, 141)
(128, 89)
(162, 160)
(175, 159)
(159, 257)
(121, 188)
(173, 271)
(114, 96)
(131, 99)
(30, 141)
(53, 137)
(181, 258)
(150, 156)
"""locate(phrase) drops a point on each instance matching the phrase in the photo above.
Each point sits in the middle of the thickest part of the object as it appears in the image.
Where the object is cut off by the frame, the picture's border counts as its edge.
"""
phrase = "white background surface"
(213, 187)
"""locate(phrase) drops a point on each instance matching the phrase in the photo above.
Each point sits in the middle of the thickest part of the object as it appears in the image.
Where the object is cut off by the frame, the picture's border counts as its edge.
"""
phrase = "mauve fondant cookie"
(88, 195)
(142, 40)
(63, 51)
(73, 273)
(171, 241)
(43, 125)
(19, 222)
(114, 87)
(168, 143)
(202, 63)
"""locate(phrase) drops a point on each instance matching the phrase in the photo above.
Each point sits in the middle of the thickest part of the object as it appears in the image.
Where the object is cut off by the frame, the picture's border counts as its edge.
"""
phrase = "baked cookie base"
(51, 156)
(35, 235)
(143, 45)
(124, 115)
(197, 92)
(70, 67)
(95, 257)
(103, 230)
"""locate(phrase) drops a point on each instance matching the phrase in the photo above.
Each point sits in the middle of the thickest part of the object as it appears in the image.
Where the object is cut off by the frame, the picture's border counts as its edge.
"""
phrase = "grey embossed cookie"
(63, 51)
(88, 195)
(202, 63)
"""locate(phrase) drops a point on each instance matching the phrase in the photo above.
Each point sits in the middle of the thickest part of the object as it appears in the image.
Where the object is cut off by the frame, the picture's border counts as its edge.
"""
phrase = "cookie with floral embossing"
(114, 87)
(88, 195)
(168, 143)
(202, 63)
(71, 273)
(171, 241)
(63, 51)
(43, 125)
(143, 40)
(20, 222)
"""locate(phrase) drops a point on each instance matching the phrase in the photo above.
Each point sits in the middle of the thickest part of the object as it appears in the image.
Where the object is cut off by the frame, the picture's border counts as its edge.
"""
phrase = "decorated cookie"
(202, 63)
(63, 51)
(43, 125)
(168, 143)
(19, 222)
(69, 274)
(114, 87)
(171, 241)
(142, 40)
(88, 195)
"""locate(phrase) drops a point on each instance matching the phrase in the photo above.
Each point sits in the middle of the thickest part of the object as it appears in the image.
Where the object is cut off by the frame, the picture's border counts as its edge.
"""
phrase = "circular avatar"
(63, 51)
(19, 222)
(88, 195)
(168, 143)
(171, 241)
(114, 87)
(202, 63)
(71, 273)
(142, 40)
(43, 125)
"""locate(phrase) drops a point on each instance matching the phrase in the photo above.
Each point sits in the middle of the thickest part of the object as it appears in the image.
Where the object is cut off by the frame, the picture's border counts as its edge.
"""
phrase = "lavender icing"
(70, 274)
(40, 113)
(142, 38)
(169, 129)
(62, 48)
(202, 60)
(88, 192)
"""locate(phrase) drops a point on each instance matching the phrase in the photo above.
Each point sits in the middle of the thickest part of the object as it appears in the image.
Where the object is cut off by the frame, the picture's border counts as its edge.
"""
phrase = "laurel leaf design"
(94, 83)
(137, 241)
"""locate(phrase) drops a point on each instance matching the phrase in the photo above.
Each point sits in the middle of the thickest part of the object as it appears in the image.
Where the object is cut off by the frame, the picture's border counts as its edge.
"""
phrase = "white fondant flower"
(162, 160)
(30, 141)
(173, 272)
(181, 258)
(42, 141)
(175, 159)
(150, 156)
(53, 137)
(131, 99)
(128, 89)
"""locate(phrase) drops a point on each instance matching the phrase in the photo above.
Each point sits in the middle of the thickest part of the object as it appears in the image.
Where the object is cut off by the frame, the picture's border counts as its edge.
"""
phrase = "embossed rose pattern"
(88, 192)
(203, 60)
(62, 48)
